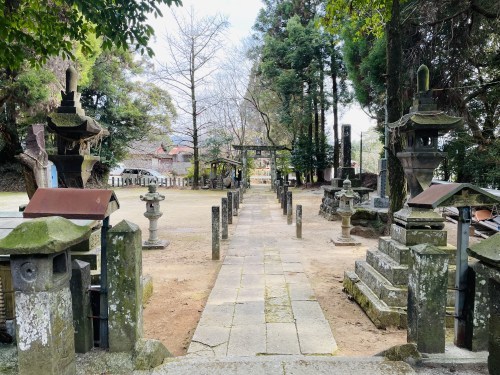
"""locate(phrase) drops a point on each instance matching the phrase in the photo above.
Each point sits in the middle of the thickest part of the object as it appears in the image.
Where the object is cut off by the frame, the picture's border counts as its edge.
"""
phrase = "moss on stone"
(45, 235)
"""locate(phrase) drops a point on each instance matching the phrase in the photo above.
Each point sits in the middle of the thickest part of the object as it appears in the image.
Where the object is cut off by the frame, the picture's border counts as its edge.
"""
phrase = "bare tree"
(193, 54)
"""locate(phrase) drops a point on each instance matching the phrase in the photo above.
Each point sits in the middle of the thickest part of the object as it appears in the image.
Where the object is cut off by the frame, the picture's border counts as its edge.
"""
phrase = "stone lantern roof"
(424, 113)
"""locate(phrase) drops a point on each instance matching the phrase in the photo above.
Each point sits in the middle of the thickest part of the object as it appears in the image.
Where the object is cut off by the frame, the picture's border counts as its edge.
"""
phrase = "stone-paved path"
(262, 302)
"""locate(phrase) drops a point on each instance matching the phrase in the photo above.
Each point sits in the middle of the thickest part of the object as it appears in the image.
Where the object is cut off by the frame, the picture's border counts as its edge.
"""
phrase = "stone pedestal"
(40, 264)
(379, 284)
(427, 288)
(124, 286)
(477, 325)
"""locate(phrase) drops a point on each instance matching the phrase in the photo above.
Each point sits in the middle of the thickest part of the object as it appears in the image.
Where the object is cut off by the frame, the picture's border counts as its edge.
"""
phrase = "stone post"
(298, 221)
(241, 192)
(273, 168)
(215, 233)
(427, 287)
(346, 169)
(236, 202)
(153, 213)
(40, 265)
(82, 312)
(278, 192)
(289, 208)
(124, 285)
(229, 207)
(224, 219)
(494, 326)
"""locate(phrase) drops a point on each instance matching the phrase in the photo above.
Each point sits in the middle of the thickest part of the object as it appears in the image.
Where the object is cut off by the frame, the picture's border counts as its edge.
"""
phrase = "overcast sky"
(241, 15)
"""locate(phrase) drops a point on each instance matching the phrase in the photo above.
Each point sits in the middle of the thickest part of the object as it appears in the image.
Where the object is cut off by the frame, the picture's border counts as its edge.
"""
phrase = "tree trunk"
(394, 53)
(196, 160)
(335, 105)
(8, 131)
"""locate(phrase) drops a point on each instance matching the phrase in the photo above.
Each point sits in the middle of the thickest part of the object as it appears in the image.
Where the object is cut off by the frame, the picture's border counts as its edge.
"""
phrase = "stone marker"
(40, 275)
(215, 232)
(236, 202)
(229, 207)
(298, 221)
(82, 312)
(153, 213)
(124, 286)
(289, 208)
(224, 219)
(427, 287)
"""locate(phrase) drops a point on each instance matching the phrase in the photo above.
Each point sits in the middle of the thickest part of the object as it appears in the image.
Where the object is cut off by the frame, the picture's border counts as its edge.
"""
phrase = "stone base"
(161, 244)
(346, 241)
(381, 202)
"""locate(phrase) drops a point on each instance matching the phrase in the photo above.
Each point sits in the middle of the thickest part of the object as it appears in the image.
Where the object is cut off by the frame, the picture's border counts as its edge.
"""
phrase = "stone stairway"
(379, 284)
(283, 365)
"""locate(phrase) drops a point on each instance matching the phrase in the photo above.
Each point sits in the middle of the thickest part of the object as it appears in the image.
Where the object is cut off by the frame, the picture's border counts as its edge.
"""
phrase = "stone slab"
(282, 338)
(247, 340)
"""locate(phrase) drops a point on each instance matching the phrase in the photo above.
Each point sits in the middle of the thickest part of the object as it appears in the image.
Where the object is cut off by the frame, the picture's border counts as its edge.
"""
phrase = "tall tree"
(193, 55)
(128, 110)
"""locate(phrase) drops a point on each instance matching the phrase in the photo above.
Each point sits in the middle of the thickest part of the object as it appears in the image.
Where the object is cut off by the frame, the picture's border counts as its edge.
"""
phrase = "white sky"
(241, 15)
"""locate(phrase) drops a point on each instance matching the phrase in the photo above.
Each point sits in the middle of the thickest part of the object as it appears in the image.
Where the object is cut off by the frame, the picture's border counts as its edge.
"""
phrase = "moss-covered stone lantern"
(420, 130)
(76, 132)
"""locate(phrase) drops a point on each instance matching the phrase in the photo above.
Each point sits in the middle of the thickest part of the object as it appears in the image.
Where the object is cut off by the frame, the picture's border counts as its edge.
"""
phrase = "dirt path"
(184, 273)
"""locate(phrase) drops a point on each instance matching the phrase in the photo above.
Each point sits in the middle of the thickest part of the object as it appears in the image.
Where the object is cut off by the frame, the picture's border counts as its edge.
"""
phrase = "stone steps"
(379, 313)
(394, 272)
(396, 250)
(283, 365)
(392, 296)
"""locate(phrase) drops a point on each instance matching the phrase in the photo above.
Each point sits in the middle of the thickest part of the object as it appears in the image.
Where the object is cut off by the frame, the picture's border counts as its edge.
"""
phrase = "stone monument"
(153, 213)
(76, 132)
(346, 169)
(35, 159)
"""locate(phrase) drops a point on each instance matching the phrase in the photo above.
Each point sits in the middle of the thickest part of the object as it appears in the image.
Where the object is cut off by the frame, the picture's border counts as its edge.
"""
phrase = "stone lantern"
(41, 270)
(76, 132)
(420, 130)
(153, 213)
(346, 209)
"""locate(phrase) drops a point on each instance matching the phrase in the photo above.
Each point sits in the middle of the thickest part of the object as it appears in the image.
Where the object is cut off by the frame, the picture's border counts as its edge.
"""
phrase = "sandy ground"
(184, 273)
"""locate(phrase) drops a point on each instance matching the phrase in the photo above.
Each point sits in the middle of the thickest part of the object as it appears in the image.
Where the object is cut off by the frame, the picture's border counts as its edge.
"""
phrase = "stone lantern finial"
(71, 79)
(423, 79)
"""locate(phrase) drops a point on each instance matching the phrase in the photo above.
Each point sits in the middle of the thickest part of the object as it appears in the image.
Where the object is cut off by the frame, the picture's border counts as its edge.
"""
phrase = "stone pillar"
(124, 286)
(215, 233)
(224, 219)
(346, 170)
(236, 202)
(427, 288)
(244, 171)
(273, 168)
(298, 221)
(229, 207)
(40, 265)
(494, 329)
(82, 312)
(289, 207)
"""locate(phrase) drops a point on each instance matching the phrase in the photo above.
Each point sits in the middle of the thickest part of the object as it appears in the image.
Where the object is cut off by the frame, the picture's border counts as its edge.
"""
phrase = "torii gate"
(258, 153)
